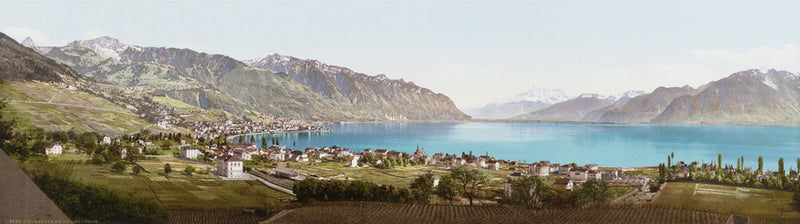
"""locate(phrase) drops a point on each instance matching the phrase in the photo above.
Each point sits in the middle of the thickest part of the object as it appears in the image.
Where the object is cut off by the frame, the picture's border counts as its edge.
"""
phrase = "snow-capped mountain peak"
(28, 42)
(106, 47)
(548, 96)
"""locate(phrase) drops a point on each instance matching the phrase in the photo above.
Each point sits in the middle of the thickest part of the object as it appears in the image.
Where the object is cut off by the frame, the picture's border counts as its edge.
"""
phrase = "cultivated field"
(728, 200)
(179, 191)
(365, 212)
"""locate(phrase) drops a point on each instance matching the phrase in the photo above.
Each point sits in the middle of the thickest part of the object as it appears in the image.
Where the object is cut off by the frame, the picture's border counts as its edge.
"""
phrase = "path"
(70, 105)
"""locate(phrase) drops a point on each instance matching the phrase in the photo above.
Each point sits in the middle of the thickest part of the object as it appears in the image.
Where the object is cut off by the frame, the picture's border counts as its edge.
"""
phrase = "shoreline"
(230, 138)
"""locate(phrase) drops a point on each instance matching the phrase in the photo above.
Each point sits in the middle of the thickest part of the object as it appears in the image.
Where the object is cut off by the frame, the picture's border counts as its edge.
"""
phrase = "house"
(148, 142)
(189, 152)
(230, 166)
(354, 161)
(106, 140)
(579, 175)
(438, 156)
(381, 152)
(395, 154)
(436, 179)
(564, 169)
(277, 156)
(539, 169)
(286, 172)
(494, 165)
(596, 174)
(565, 182)
(52, 148)
(122, 152)
(481, 163)
(592, 166)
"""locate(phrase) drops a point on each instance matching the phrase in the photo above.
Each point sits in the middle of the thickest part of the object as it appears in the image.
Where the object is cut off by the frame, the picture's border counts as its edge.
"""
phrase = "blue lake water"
(607, 145)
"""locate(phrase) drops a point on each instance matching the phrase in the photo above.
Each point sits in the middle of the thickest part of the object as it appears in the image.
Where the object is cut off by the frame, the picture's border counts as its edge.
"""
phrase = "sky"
(474, 52)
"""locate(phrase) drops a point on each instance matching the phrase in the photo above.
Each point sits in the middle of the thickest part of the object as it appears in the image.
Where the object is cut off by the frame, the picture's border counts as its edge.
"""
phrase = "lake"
(607, 145)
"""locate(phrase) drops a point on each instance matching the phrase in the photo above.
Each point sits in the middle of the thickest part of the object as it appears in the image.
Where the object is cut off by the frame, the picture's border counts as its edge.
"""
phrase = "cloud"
(786, 57)
(20, 33)
(91, 34)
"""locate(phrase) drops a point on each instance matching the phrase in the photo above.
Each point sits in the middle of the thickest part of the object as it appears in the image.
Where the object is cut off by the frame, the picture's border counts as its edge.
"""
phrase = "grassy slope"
(69, 109)
(728, 199)
(200, 191)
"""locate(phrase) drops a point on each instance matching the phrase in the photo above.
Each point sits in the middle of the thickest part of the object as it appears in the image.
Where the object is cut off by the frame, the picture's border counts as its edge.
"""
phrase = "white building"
(52, 148)
(354, 161)
(123, 152)
(494, 165)
(106, 140)
(230, 166)
(189, 152)
(538, 169)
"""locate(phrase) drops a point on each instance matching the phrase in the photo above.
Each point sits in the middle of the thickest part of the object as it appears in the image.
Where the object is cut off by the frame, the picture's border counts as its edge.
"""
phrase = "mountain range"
(104, 75)
(305, 89)
(750, 97)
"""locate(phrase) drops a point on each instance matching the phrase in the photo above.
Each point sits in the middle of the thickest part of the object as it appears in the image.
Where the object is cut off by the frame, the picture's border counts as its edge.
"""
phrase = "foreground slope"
(43, 93)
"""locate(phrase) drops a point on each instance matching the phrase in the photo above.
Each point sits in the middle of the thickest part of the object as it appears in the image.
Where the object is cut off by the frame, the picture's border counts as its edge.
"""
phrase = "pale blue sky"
(473, 52)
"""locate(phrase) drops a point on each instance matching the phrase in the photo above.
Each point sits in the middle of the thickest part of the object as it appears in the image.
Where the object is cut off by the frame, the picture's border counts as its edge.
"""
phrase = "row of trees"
(312, 189)
(733, 175)
(535, 193)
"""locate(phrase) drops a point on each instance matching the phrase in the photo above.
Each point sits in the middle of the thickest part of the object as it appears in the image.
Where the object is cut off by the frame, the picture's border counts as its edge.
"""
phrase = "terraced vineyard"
(191, 216)
(366, 212)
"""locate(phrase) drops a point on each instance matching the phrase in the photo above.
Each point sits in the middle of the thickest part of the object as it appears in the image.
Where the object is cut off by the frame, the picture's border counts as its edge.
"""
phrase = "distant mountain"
(637, 109)
(212, 81)
(570, 110)
(743, 98)
(523, 103)
(378, 96)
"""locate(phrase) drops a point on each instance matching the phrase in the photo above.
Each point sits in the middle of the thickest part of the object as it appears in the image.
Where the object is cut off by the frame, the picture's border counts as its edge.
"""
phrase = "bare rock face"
(213, 81)
(377, 96)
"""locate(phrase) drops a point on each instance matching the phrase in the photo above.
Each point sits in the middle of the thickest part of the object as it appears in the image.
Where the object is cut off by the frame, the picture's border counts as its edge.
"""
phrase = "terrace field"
(57, 108)
(727, 199)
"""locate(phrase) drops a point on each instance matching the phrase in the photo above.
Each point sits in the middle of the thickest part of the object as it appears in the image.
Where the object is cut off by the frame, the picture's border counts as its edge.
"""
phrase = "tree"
(6, 127)
(264, 143)
(669, 162)
(760, 165)
(593, 190)
(422, 186)
(167, 169)
(252, 139)
(447, 188)
(470, 180)
(119, 166)
(305, 189)
(719, 161)
(137, 170)
(533, 192)
(189, 170)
